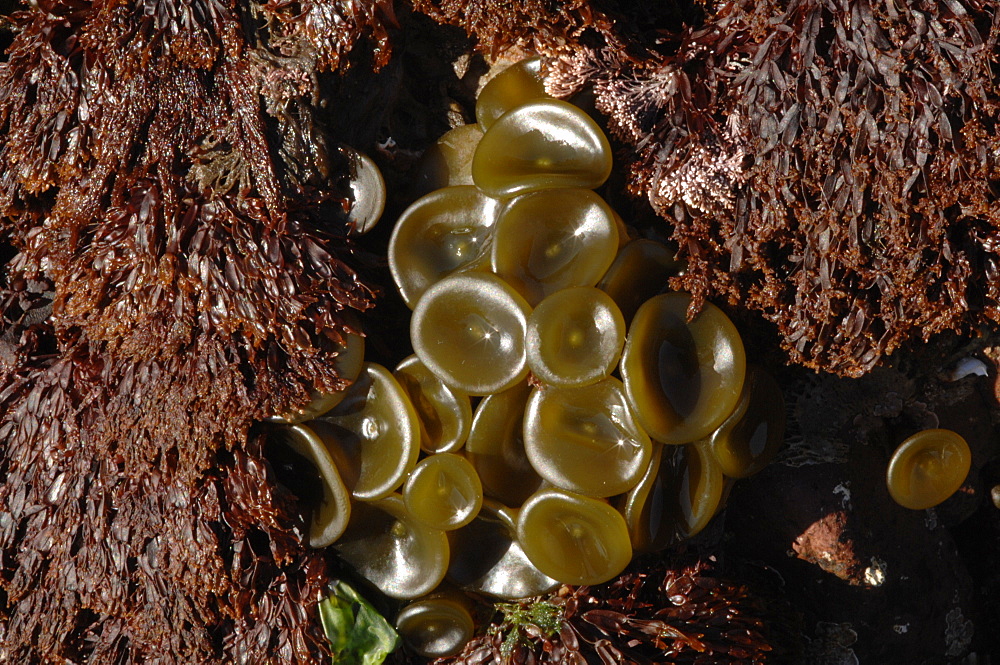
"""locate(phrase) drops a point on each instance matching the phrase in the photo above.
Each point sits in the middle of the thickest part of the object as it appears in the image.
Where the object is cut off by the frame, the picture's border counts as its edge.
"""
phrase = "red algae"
(174, 272)
(671, 611)
(833, 167)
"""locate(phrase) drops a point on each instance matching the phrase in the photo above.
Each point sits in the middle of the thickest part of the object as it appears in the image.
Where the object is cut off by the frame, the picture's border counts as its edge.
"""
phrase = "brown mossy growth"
(631, 31)
(499, 25)
(173, 271)
(834, 166)
(667, 612)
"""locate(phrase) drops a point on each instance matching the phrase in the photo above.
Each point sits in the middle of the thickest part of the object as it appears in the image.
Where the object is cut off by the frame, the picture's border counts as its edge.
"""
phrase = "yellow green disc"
(586, 439)
(927, 468)
(496, 446)
(469, 330)
(554, 239)
(678, 496)
(330, 507)
(448, 162)
(752, 434)
(443, 491)
(575, 337)
(542, 144)
(398, 554)
(445, 414)
(375, 426)
(445, 232)
(683, 378)
(515, 86)
(435, 627)
(572, 538)
(640, 271)
(486, 557)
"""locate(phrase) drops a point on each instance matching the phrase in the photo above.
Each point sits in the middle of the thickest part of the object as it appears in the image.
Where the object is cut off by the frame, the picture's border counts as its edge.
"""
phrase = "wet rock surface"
(909, 585)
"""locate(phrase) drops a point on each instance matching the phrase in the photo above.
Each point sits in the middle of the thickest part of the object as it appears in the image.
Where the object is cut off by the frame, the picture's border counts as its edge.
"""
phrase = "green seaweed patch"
(522, 622)
(358, 634)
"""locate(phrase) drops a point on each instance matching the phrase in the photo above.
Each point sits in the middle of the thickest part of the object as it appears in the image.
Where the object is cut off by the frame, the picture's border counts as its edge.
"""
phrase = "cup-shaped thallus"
(469, 330)
(542, 144)
(927, 468)
(445, 232)
(376, 429)
(496, 447)
(515, 86)
(575, 337)
(445, 413)
(586, 439)
(443, 491)
(554, 239)
(572, 538)
(392, 550)
(683, 378)
(305, 466)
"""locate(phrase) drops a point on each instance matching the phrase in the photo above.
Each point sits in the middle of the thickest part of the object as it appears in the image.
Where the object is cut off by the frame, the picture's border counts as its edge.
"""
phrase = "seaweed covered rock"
(834, 166)
(626, 31)
(173, 232)
(176, 265)
(669, 611)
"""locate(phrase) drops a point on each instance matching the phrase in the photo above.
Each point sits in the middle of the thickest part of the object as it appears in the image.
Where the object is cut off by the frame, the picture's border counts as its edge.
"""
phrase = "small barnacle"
(968, 366)
(874, 575)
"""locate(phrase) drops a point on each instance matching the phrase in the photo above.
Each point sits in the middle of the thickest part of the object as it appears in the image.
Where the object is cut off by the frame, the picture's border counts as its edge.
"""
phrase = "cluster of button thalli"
(559, 412)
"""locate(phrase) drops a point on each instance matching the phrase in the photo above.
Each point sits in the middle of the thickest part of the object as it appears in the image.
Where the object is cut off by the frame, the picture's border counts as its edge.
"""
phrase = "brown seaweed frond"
(172, 273)
(110, 558)
(632, 32)
(835, 166)
(667, 612)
